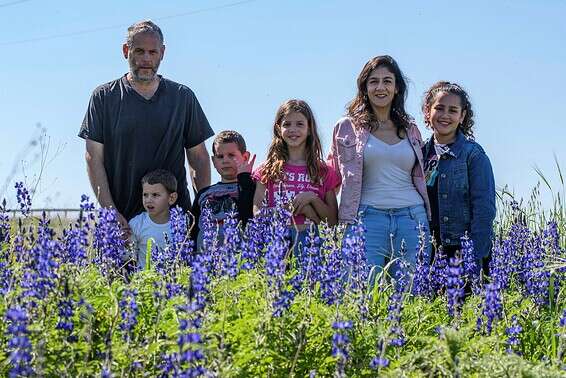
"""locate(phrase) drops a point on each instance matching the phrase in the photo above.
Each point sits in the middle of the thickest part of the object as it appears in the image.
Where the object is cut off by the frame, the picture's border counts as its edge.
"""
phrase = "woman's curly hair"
(455, 89)
(278, 153)
(359, 109)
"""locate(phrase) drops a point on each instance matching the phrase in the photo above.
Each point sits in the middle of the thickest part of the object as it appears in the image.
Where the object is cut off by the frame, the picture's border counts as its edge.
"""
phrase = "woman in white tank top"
(379, 142)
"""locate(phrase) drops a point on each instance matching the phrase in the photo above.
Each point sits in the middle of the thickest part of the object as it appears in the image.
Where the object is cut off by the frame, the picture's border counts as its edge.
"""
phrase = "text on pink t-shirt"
(297, 180)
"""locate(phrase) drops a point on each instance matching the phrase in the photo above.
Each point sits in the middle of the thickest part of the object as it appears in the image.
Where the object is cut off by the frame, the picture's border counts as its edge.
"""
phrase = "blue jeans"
(393, 233)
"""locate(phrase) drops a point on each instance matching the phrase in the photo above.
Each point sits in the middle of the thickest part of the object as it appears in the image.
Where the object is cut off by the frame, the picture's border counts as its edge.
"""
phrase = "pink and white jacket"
(347, 159)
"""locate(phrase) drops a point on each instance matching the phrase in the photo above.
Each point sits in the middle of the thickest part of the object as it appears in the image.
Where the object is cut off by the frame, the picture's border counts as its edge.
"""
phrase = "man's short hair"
(146, 26)
(163, 177)
(229, 136)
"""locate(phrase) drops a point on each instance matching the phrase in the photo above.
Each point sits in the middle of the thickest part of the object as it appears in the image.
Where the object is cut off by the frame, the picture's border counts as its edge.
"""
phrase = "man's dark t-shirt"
(141, 135)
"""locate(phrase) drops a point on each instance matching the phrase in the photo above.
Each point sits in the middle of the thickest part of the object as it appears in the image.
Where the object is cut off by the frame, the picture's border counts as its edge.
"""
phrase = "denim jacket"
(466, 194)
(347, 158)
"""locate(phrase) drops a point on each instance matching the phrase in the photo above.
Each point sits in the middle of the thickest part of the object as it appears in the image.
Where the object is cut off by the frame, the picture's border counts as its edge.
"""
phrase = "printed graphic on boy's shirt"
(221, 201)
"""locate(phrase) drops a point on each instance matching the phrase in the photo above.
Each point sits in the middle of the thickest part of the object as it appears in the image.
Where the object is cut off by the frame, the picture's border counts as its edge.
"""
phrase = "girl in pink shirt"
(295, 163)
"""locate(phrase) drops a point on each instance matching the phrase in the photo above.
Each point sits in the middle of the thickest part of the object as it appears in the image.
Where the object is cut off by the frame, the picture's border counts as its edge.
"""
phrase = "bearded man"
(142, 122)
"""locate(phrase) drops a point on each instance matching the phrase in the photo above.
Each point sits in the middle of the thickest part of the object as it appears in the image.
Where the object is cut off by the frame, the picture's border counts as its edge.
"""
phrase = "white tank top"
(387, 182)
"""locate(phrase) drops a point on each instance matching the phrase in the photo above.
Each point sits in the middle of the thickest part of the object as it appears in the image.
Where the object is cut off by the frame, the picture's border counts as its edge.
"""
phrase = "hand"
(301, 200)
(124, 226)
(247, 165)
(310, 213)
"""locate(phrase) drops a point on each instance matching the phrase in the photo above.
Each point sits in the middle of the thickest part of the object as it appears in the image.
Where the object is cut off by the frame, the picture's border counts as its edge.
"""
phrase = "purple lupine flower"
(379, 363)
(254, 239)
(499, 266)
(128, 313)
(438, 271)
(76, 238)
(513, 332)
(353, 250)
(5, 269)
(66, 312)
(200, 279)
(173, 289)
(105, 373)
(311, 262)
(4, 223)
(186, 362)
(208, 230)
(23, 197)
(111, 254)
(19, 251)
(74, 251)
(231, 245)
(341, 345)
(554, 254)
(19, 345)
(455, 286)
(551, 238)
(250, 245)
(507, 257)
(5, 278)
(160, 258)
(421, 278)
(275, 257)
(535, 276)
(492, 307)
(563, 319)
(181, 243)
(40, 264)
(287, 296)
(471, 273)
(278, 245)
(395, 305)
(332, 283)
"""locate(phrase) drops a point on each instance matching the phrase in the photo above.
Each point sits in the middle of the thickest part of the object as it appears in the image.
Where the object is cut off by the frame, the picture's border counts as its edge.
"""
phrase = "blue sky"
(243, 59)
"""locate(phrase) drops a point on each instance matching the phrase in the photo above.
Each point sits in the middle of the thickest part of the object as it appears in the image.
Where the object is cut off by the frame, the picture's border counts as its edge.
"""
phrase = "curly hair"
(278, 152)
(455, 89)
(360, 110)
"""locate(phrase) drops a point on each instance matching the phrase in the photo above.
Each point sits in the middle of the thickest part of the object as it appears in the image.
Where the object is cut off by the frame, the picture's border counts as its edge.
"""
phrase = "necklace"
(378, 123)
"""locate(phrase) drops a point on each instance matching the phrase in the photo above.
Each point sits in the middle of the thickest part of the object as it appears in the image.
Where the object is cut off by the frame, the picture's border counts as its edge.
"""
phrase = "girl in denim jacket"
(376, 150)
(459, 177)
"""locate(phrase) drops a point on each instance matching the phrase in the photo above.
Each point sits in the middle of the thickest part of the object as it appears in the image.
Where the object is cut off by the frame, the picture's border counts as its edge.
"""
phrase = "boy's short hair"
(229, 136)
(163, 177)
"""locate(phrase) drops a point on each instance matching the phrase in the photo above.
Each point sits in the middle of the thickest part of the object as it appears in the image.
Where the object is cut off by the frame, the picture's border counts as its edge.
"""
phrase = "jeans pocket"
(362, 210)
(420, 217)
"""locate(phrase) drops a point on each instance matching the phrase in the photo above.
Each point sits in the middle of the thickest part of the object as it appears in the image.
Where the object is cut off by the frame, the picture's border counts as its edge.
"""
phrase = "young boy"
(159, 190)
(235, 191)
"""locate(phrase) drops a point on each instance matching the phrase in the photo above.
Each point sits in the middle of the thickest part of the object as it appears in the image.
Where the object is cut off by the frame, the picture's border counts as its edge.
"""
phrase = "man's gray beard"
(143, 78)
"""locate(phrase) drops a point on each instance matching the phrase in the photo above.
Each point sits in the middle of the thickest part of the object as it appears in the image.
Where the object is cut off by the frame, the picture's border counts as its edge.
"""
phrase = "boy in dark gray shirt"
(236, 189)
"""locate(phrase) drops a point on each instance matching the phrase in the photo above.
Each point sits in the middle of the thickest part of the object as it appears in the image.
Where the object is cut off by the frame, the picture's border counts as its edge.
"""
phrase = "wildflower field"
(73, 304)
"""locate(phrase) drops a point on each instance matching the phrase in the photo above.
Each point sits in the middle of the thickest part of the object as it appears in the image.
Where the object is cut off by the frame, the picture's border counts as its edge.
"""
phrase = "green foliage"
(243, 338)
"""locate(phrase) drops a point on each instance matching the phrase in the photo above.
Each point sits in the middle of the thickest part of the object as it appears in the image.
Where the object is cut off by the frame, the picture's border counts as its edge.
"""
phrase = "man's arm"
(199, 166)
(98, 180)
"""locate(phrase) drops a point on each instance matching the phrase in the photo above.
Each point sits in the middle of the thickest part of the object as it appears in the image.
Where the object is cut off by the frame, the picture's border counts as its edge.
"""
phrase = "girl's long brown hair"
(359, 109)
(278, 153)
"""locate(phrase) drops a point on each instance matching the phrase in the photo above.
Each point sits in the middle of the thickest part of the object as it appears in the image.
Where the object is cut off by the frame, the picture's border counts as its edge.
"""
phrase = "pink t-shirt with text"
(297, 180)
